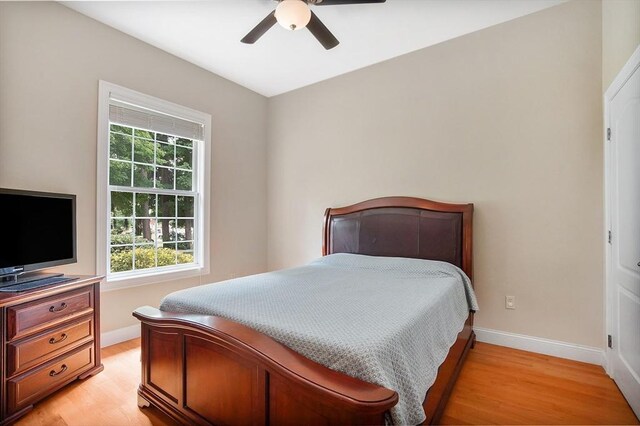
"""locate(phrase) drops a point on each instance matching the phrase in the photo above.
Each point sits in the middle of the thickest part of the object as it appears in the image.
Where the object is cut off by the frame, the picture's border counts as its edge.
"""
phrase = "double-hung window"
(152, 188)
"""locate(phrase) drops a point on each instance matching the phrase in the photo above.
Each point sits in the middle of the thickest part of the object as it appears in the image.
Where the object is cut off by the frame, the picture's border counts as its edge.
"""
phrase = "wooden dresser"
(50, 337)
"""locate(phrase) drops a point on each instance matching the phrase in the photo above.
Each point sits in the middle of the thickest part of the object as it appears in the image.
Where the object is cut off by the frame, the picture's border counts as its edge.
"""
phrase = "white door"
(623, 189)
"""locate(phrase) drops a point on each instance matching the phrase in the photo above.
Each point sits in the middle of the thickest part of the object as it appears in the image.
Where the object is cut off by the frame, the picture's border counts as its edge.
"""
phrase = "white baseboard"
(109, 338)
(539, 345)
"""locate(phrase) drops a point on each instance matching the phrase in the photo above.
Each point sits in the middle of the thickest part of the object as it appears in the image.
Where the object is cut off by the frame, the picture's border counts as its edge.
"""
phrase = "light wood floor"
(497, 385)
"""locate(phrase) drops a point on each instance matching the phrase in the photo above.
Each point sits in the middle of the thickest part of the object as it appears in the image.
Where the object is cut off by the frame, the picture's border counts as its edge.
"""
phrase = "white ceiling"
(208, 33)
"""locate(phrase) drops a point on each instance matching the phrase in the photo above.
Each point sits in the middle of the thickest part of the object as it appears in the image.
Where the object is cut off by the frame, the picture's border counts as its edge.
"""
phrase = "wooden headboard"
(402, 227)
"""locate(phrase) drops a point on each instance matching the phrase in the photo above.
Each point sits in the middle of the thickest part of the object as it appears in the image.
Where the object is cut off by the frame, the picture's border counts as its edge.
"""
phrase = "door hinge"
(608, 133)
(609, 341)
(609, 237)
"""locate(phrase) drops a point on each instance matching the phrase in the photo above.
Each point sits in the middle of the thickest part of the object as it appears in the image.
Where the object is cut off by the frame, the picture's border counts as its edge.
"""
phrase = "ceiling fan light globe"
(293, 14)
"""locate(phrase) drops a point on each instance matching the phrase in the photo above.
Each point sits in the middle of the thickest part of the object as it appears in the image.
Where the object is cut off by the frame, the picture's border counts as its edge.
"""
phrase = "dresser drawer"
(39, 315)
(30, 387)
(25, 354)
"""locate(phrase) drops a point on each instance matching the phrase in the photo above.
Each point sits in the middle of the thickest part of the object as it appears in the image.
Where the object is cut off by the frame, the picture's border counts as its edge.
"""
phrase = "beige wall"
(620, 36)
(508, 118)
(51, 61)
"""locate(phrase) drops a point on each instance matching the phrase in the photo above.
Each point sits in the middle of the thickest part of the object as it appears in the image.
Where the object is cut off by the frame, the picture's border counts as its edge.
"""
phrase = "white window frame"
(106, 92)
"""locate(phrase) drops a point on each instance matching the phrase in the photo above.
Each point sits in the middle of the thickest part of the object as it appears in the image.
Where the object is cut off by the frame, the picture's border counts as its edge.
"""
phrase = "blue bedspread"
(389, 321)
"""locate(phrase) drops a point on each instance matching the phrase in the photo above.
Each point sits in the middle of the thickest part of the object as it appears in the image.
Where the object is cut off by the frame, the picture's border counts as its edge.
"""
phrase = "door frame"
(623, 76)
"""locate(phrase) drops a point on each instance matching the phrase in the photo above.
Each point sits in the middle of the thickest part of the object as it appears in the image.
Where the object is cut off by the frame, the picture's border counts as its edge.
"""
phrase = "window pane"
(166, 230)
(121, 204)
(185, 252)
(121, 129)
(121, 231)
(166, 206)
(167, 255)
(185, 257)
(184, 180)
(164, 178)
(165, 156)
(185, 229)
(182, 231)
(145, 205)
(145, 257)
(144, 231)
(142, 176)
(184, 142)
(143, 151)
(119, 146)
(184, 157)
(144, 134)
(185, 206)
(119, 173)
(121, 259)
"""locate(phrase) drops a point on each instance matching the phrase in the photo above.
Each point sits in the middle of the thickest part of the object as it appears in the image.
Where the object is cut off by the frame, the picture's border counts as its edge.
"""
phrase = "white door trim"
(625, 73)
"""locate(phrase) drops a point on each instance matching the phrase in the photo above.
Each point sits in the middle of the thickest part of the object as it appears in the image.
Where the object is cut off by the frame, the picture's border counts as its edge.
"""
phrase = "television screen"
(38, 230)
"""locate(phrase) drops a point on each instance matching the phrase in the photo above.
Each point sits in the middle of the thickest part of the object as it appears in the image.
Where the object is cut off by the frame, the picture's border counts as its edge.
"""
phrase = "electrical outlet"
(510, 302)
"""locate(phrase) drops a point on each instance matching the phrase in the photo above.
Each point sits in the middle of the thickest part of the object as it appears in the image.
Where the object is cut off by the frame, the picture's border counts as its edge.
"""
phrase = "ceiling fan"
(295, 15)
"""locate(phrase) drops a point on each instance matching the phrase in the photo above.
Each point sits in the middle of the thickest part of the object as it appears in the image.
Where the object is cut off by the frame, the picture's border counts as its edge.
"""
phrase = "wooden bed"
(201, 369)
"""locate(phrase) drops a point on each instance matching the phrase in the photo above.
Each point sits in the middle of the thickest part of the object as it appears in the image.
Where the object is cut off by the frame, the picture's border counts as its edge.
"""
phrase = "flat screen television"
(38, 230)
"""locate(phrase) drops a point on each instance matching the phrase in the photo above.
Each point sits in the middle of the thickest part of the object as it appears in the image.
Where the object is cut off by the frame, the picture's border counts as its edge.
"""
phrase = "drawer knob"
(62, 307)
(62, 338)
(54, 373)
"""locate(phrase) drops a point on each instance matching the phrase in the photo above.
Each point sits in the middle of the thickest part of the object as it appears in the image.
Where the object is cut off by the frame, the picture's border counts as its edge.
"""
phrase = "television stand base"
(15, 279)
(33, 282)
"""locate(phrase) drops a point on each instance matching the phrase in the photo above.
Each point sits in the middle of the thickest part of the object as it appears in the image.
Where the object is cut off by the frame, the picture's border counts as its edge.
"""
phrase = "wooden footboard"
(207, 370)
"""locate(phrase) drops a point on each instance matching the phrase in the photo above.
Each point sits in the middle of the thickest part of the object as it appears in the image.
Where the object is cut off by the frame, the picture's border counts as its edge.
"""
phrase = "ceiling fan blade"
(334, 2)
(259, 30)
(322, 33)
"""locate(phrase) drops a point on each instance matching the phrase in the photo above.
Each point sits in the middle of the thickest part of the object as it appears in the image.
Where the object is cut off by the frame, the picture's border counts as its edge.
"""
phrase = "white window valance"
(133, 116)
